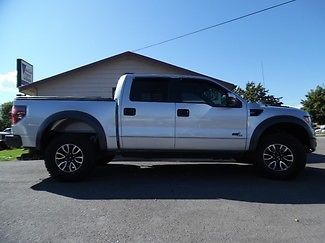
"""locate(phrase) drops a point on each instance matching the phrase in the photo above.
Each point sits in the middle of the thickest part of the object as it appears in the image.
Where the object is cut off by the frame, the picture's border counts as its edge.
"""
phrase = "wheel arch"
(289, 124)
(61, 119)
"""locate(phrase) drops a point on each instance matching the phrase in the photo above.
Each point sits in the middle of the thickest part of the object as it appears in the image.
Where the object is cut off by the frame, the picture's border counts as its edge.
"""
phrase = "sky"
(59, 35)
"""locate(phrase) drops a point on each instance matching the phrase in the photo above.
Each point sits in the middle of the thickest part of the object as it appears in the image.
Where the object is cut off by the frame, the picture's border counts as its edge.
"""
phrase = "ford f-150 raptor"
(161, 115)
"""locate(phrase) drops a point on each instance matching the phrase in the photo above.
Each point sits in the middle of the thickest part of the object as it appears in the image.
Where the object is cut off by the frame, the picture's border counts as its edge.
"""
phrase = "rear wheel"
(281, 156)
(70, 157)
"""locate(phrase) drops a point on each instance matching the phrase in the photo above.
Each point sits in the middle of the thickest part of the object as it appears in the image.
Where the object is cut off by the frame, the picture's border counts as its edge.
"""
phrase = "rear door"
(148, 114)
(204, 121)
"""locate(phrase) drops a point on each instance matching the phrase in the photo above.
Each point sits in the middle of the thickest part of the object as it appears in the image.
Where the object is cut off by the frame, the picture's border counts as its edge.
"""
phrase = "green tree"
(314, 104)
(5, 110)
(257, 93)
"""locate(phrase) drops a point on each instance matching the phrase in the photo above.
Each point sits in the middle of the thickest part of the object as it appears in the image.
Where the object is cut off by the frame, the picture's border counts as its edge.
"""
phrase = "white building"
(99, 79)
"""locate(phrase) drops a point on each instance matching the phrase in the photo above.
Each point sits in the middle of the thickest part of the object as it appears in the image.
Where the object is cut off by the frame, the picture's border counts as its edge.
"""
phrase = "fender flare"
(274, 121)
(77, 115)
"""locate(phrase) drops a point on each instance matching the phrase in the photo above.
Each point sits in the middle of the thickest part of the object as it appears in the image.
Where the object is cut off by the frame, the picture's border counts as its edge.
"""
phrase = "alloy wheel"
(69, 157)
(278, 157)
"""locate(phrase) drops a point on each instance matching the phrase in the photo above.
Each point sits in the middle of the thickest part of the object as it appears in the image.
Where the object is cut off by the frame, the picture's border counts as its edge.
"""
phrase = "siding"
(98, 80)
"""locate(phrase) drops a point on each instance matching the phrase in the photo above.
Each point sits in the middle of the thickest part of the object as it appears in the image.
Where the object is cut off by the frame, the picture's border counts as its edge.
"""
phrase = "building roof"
(113, 58)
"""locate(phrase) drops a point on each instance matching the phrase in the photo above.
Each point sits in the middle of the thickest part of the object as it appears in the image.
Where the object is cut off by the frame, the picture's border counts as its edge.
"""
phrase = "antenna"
(262, 69)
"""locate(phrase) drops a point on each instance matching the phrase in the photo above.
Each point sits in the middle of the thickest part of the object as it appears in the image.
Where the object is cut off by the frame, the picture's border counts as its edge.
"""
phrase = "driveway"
(163, 202)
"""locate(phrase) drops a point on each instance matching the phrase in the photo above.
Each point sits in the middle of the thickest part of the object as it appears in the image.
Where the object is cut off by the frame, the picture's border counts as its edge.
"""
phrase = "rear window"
(150, 90)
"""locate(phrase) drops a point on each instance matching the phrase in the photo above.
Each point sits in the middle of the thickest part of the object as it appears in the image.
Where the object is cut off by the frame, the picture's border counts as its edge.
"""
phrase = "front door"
(204, 121)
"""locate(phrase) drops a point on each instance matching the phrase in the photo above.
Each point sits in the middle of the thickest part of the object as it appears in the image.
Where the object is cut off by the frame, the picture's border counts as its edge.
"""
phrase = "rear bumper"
(13, 141)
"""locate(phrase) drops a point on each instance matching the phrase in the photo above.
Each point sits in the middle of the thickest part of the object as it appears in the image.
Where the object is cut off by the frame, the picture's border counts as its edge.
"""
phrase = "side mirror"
(232, 100)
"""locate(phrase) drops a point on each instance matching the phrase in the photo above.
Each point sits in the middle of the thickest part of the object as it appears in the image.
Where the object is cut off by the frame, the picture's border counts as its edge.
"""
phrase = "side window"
(149, 90)
(202, 91)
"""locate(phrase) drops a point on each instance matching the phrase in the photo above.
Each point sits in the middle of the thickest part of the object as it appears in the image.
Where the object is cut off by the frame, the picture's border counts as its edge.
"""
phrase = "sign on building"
(24, 73)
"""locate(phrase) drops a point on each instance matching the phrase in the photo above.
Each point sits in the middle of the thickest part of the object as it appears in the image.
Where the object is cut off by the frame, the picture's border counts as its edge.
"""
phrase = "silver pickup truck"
(156, 116)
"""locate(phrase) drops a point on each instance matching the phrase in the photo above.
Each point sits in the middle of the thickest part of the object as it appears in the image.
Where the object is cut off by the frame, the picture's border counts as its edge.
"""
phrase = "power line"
(213, 26)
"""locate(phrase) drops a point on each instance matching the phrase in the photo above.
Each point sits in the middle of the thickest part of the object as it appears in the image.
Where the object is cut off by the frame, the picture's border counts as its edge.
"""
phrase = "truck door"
(147, 114)
(204, 121)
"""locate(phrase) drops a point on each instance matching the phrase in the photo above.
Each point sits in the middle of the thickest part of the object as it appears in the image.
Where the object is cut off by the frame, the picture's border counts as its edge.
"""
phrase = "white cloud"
(8, 89)
(8, 82)
(298, 106)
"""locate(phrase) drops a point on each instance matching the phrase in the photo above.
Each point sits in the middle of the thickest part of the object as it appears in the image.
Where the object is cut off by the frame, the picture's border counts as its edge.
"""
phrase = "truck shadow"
(191, 181)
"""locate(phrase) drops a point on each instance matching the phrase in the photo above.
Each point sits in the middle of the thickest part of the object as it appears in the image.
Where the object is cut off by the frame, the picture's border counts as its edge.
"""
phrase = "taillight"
(17, 113)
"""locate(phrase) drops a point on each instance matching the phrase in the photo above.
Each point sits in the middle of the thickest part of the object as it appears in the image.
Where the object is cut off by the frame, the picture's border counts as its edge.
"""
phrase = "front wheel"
(69, 157)
(281, 156)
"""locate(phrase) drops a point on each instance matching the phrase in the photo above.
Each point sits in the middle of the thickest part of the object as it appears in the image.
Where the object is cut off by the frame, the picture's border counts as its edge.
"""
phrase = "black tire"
(105, 159)
(281, 156)
(3, 146)
(70, 157)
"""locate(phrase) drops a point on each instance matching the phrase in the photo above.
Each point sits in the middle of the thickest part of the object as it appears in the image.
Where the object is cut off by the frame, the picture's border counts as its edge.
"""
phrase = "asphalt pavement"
(163, 202)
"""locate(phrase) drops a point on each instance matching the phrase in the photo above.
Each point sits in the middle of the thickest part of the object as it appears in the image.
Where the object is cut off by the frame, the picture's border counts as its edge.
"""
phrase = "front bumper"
(13, 141)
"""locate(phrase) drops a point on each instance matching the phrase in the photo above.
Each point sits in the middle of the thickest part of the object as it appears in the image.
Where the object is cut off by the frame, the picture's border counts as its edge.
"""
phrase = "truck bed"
(63, 98)
(40, 109)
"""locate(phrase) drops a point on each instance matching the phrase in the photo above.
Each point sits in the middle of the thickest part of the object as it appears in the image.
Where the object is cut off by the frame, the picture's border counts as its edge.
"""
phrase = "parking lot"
(163, 202)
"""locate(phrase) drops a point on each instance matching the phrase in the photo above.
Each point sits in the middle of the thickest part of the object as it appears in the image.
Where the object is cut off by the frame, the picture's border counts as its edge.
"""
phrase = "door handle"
(183, 112)
(129, 111)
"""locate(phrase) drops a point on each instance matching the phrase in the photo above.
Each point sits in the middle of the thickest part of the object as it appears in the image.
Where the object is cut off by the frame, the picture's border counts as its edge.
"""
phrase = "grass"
(11, 154)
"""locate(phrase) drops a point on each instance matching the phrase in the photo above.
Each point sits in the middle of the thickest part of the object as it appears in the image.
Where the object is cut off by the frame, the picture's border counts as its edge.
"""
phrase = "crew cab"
(161, 115)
